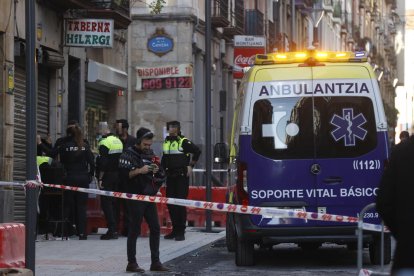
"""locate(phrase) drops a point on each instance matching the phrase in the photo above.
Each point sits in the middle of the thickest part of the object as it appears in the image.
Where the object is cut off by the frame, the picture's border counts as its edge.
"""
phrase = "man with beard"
(143, 176)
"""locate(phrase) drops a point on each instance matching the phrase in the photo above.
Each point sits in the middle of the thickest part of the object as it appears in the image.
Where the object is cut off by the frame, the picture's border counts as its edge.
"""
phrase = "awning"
(105, 78)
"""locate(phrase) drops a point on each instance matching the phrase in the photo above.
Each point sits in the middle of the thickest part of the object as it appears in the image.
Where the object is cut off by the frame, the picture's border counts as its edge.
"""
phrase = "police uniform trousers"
(177, 187)
(110, 204)
(138, 210)
(121, 215)
(76, 202)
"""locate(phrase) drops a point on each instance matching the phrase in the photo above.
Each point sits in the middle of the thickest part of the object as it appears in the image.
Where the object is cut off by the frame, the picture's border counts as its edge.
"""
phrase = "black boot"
(170, 236)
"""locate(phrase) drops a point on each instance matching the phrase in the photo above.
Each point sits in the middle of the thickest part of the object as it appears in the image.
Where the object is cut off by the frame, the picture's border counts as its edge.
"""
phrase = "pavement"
(94, 257)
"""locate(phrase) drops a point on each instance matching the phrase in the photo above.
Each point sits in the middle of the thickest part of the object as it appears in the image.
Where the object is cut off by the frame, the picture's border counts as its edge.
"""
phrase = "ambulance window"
(344, 126)
(282, 128)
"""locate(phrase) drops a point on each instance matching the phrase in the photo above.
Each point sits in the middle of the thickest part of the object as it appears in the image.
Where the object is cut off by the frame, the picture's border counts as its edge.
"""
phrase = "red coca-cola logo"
(240, 59)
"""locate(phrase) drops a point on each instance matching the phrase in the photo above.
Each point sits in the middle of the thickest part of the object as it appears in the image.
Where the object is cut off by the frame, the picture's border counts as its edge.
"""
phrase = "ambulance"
(309, 133)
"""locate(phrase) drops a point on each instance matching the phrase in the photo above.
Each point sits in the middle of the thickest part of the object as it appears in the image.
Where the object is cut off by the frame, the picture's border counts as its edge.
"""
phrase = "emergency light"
(315, 56)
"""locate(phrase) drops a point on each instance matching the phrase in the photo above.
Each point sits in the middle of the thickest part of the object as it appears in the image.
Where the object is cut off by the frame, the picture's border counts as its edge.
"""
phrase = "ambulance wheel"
(244, 253)
(230, 234)
(375, 249)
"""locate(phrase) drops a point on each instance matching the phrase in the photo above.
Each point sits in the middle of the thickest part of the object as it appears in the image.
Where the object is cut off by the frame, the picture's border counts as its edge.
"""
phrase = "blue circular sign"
(160, 44)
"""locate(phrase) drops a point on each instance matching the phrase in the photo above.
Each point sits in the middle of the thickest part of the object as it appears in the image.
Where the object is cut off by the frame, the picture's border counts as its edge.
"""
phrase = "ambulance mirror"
(221, 153)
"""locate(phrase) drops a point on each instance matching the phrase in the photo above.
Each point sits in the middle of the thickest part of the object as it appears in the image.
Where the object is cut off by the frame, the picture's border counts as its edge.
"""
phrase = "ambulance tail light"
(242, 190)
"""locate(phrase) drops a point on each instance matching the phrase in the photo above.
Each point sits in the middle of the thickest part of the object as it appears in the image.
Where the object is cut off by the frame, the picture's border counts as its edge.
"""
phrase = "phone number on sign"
(166, 83)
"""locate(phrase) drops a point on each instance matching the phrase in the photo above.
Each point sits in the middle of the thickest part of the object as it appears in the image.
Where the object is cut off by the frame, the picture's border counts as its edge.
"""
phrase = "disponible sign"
(245, 49)
(96, 33)
(164, 77)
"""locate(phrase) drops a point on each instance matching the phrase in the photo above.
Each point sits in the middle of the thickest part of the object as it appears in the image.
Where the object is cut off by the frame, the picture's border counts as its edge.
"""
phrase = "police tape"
(265, 212)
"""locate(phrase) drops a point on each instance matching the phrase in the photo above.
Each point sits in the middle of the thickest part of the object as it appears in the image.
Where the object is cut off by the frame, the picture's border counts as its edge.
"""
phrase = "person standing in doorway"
(178, 165)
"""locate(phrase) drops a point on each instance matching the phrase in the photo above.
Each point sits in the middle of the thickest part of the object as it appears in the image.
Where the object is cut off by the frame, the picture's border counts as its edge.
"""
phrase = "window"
(318, 127)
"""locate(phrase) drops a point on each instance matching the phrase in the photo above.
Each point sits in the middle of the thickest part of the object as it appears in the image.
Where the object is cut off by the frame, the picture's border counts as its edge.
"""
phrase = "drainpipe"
(31, 168)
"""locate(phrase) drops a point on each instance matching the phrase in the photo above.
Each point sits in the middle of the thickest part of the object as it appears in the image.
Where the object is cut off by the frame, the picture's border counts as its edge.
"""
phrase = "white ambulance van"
(309, 133)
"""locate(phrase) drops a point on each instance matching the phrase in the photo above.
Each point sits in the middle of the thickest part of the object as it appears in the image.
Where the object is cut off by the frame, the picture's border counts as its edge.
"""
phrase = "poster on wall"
(245, 49)
(95, 33)
(164, 77)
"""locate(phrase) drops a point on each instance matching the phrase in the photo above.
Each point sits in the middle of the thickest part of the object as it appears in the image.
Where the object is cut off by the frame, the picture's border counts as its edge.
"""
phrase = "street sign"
(245, 49)
(91, 33)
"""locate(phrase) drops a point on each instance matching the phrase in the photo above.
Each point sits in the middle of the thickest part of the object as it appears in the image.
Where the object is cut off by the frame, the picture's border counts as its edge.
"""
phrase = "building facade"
(154, 71)
(287, 25)
(80, 82)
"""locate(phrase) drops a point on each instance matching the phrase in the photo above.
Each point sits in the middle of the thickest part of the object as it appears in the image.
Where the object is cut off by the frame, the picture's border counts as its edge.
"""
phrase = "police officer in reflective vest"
(178, 165)
(110, 148)
(43, 162)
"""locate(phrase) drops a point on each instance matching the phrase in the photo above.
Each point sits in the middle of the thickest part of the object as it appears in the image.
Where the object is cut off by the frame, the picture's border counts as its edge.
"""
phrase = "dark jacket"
(144, 184)
(173, 162)
(130, 141)
(395, 201)
(76, 161)
(54, 151)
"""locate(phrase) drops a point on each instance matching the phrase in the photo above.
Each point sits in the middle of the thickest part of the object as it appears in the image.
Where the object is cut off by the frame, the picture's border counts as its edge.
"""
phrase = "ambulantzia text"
(319, 88)
(314, 193)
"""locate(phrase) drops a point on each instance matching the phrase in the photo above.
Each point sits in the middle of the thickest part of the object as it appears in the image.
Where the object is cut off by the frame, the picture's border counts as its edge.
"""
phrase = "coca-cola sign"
(240, 59)
(244, 57)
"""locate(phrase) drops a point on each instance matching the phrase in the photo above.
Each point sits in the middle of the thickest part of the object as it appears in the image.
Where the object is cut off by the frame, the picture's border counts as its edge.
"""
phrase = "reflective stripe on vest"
(173, 147)
(43, 159)
(113, 143)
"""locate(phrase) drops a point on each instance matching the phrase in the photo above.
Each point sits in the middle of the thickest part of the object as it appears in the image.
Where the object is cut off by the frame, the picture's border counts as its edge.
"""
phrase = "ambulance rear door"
(349, 151)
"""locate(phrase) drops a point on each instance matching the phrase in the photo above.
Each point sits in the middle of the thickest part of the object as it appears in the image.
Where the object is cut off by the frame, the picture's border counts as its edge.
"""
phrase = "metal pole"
(360, 235)
(208, 110)
(31, 170)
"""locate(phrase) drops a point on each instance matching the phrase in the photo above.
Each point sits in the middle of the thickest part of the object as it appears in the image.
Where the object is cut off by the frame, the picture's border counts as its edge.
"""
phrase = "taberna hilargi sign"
(95, 33)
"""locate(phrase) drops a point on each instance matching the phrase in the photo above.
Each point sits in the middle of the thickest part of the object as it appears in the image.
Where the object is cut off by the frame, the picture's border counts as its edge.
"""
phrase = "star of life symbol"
(348, 127)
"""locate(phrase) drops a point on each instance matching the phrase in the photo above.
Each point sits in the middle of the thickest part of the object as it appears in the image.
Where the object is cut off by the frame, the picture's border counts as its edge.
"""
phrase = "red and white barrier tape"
(266, 212)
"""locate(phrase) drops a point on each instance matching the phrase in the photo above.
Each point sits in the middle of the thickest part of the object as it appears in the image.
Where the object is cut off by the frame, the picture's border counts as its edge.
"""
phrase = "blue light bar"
(359, 54)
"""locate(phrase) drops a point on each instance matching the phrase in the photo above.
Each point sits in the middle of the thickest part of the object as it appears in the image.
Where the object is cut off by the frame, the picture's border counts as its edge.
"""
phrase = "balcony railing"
(118, 10)
(254, 22)
(220, 13)
(236, 26)
(117, 5)
(112, 9)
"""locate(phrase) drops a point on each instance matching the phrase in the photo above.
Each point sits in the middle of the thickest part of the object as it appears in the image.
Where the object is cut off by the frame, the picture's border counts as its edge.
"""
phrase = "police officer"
(79, 164)
(144, 176)
(110, 149)
(43, 163)
(178, 165)
(46, 145)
